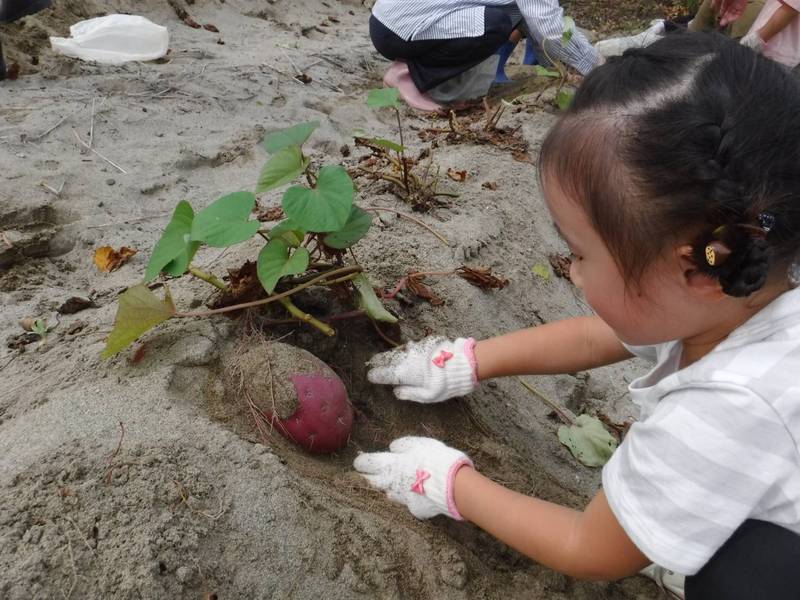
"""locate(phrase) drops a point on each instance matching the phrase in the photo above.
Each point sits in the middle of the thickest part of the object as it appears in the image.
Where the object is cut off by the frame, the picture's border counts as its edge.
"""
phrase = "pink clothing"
(784, 47)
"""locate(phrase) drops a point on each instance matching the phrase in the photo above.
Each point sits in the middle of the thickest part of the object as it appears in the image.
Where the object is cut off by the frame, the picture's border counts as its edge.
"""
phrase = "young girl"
(675, 180)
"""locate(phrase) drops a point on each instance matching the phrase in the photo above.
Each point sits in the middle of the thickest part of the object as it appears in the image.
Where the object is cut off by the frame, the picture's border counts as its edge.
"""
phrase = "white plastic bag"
(114, 39)
(616, 46)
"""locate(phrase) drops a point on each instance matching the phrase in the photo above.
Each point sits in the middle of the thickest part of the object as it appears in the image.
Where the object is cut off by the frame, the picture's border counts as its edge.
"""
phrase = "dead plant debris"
(561, 264)
(107, 259)
(482, 277)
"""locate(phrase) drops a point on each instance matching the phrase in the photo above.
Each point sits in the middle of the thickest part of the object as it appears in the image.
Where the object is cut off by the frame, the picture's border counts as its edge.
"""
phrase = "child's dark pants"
(432, 62)
(761, 561)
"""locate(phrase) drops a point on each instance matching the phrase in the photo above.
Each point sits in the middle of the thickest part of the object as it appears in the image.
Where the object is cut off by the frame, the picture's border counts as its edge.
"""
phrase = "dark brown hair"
(692, 139)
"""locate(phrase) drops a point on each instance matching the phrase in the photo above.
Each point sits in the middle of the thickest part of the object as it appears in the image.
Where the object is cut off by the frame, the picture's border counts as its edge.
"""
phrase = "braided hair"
(693, 139)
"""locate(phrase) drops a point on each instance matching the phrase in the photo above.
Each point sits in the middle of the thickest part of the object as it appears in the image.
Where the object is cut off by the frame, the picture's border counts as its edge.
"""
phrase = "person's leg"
(705, 19)
(449, 58)
(760, 560)
(396, 49)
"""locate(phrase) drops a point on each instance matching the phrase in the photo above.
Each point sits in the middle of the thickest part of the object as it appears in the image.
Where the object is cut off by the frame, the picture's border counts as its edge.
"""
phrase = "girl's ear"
(696, 281)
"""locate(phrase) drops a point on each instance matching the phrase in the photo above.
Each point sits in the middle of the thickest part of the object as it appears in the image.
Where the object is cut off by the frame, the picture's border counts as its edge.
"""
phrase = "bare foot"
(399, 77)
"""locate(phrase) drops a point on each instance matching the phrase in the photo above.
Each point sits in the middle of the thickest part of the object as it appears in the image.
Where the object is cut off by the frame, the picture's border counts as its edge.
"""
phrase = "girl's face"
(654, 310)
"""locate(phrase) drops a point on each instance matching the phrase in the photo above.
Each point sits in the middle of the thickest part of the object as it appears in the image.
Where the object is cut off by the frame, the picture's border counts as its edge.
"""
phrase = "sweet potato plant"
(306, 249)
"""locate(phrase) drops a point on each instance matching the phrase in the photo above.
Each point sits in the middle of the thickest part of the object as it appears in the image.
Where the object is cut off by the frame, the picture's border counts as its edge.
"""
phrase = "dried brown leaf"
(482, 277)
(489, 185)
(561, 265)
(107, 259)
(274, 213)
(415, 286)
(210, 27)
(459, 176)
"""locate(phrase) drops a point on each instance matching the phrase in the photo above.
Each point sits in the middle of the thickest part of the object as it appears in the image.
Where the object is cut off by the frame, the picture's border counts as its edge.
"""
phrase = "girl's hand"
(418, 472)
(432, 370)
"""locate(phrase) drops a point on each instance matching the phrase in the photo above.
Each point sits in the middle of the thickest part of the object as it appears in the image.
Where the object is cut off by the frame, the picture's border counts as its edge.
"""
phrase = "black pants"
(760, 561)
(432, 62)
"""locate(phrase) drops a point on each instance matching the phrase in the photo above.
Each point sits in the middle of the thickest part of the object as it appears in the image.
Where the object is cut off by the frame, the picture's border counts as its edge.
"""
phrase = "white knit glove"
(754, 41)
(432, 370)
(418, 472)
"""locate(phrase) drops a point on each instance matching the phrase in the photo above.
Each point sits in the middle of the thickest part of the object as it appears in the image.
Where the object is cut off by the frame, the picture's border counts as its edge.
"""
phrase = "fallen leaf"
(489, 185)
(541, 270)
(588, 441)
(210, 27)
(75, 304)
(561, 265)
(521, 156)
(39, 327)
(107, 259)
(459, 176)
(274, 213)
(415, 286)
(482, 277)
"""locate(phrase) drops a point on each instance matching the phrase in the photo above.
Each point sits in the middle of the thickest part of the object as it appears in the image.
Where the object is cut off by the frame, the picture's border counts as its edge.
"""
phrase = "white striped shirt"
(448, 19)
(718, 443)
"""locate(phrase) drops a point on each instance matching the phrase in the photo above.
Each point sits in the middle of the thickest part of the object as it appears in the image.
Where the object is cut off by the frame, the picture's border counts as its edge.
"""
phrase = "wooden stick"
(91, 126)
(556, 408)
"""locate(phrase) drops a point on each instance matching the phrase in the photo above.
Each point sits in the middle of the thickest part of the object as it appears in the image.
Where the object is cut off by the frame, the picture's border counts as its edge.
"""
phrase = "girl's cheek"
(575, 273)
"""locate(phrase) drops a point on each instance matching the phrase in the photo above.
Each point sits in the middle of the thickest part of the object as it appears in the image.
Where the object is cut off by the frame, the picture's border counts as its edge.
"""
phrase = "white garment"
(448, 19)
(717, 443)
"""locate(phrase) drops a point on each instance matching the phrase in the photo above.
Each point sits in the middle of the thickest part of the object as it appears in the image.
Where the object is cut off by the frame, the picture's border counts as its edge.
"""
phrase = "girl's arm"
(566, 346)
(587, 545)
(782, 16)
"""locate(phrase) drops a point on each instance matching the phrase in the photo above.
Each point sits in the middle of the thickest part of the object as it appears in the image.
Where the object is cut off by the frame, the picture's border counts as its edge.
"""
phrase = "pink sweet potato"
(323, 419)
(293, 392)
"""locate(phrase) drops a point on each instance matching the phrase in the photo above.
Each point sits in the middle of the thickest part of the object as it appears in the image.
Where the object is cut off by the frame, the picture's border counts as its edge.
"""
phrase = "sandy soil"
(189, 503)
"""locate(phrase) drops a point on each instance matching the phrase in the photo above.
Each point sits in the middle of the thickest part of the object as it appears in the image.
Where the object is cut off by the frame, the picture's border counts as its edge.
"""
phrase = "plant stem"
(217, 311)
(403, 165)
(307, 318)
(208, 278)
(558, 410)
(410, 218)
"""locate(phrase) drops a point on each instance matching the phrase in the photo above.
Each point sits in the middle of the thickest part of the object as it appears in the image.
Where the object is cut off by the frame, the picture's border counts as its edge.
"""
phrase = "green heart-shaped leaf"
(384, 98)
(295, 135)
(324, 208)
(284, 166)
(139, 310)
(588, 441)
(357, 226)
(274, 262)
(225, 222)
(174, 250)
(289, 232)
(369, 302)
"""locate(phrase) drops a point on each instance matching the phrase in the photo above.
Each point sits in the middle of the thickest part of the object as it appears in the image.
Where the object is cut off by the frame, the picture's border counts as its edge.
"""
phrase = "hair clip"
(716, 253)
(767, 221)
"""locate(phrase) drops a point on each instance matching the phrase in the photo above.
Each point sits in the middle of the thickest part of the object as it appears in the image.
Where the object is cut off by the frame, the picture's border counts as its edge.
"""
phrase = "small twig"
(410, 218)
(185, 499)
(284, 73)
(91, 126)
(129, 222)
(111, 458)
(569, 420)
(85, 145)
(385, 337)
(53, 128)
(274, 298)
(56, 192)
(80, 533)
